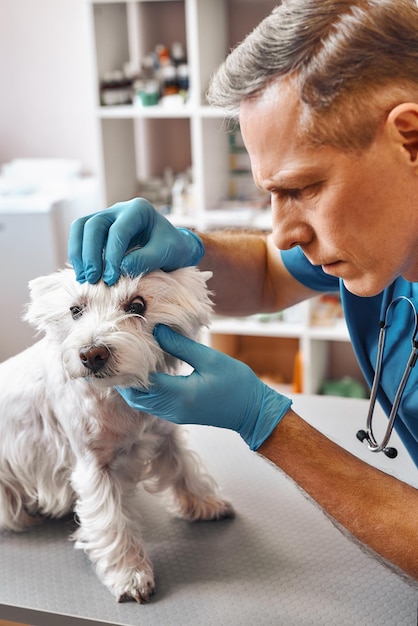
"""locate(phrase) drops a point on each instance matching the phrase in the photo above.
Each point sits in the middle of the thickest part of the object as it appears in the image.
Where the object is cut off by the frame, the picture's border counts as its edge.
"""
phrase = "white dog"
(69, 442)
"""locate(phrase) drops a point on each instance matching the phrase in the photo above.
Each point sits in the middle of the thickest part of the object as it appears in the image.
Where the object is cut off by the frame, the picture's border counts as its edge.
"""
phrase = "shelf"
(158, 111)
(132, 111)
(252, 326)
(125, 1)
(338, 332)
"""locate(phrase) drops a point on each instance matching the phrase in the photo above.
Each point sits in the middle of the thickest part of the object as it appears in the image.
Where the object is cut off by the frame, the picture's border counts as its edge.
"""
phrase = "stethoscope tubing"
(386, 314)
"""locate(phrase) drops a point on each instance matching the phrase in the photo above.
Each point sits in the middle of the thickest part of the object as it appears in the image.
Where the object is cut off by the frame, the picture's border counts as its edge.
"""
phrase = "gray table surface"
(280, 561)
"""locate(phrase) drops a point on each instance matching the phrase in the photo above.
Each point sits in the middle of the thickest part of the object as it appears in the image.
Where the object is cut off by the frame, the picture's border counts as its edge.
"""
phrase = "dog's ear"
(184, 301)
(206, 275)
(48, 299)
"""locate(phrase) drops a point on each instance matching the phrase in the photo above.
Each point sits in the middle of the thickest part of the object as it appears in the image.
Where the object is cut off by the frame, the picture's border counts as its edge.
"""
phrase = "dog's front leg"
(109, 532)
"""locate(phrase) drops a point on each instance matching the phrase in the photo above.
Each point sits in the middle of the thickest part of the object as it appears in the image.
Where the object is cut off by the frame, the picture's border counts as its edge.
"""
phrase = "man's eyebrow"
(292, 180)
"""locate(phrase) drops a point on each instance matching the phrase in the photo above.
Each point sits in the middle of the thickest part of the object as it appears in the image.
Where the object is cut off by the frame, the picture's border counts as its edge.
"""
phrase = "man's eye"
(302, 193)
(287, 194)
(136, 306)
(76, 312)
(293, 194)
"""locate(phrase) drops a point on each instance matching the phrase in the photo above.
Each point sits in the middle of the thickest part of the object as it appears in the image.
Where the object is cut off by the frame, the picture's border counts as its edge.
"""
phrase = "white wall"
(46, 87)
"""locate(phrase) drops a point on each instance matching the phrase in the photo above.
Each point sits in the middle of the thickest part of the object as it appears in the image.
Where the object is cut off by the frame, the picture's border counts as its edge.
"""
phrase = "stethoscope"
(385, 319)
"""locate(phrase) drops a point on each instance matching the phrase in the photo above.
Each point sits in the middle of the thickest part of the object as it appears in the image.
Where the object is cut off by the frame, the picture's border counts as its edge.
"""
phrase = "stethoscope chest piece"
(390, 452)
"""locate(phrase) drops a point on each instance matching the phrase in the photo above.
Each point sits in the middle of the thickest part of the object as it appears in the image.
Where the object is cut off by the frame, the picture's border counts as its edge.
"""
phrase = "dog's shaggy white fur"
(69, 442)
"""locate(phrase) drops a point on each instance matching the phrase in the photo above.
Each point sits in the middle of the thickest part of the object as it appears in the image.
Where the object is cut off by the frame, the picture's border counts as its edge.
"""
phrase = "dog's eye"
(136, 306)
(76, 312)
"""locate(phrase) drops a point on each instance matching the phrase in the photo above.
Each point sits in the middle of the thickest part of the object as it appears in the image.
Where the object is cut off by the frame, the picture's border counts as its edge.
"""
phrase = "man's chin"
(364, 288)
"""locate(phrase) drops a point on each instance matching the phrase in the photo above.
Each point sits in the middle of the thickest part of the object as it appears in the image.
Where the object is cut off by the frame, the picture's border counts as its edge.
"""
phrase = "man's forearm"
(377, 509)
(248, 274)
(238, 263)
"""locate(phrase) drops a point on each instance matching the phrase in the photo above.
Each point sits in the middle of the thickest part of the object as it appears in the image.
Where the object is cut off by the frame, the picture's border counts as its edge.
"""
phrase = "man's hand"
(129, 238)
(221, 391)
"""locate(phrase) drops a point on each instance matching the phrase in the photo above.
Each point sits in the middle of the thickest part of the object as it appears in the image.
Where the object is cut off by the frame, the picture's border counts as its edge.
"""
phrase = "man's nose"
(290, 228)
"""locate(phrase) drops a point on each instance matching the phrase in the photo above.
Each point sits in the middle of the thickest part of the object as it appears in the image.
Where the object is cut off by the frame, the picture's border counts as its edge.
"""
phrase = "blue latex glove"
(99, 243)
(221, 391)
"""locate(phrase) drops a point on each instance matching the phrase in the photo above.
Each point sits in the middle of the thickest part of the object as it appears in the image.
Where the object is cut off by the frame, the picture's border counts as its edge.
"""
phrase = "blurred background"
(46, 107)
(104, 100)
(48, 147)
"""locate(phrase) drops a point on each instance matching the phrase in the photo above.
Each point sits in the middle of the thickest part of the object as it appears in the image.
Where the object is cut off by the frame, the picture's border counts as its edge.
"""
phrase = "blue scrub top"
(362, 317)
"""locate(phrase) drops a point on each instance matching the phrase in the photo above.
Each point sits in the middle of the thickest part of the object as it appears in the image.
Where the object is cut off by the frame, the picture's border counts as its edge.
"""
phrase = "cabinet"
(34, 229)
(143, 146)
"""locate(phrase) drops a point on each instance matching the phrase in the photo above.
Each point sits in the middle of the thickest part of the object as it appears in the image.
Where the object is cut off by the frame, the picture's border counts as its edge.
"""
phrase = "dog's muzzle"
(94, 358)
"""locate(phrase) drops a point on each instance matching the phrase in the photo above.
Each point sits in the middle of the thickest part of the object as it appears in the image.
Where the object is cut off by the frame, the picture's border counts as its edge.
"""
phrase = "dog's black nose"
(94, 357)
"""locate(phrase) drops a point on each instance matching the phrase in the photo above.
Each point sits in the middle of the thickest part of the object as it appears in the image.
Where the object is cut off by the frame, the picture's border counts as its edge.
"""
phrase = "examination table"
(279, 562)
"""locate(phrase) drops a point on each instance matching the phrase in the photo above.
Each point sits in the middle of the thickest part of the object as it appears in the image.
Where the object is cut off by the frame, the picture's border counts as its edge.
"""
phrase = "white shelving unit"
(319, 347)
(140, 142)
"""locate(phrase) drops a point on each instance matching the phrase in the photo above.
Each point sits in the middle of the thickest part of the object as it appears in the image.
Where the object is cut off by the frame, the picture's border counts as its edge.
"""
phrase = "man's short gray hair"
(352, 61)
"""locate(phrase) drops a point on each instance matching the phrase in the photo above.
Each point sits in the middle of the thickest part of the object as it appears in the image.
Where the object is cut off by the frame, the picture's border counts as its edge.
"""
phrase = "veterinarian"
(326, 93)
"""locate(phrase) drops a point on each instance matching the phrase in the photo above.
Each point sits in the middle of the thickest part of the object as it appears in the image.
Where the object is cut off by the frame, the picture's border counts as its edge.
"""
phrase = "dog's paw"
(140, 588)
(210, 507)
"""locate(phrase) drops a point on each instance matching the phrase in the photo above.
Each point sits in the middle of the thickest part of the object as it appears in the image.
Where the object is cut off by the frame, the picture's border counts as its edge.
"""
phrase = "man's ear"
(402, 123)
